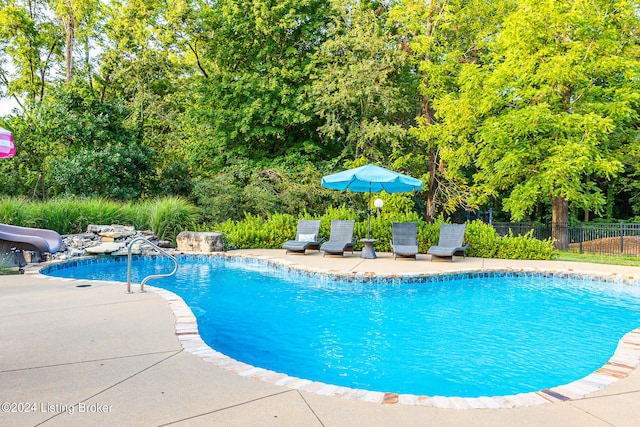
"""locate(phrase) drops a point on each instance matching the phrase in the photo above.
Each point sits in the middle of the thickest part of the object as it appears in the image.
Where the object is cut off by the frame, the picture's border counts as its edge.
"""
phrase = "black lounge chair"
(306, 237)
(341, 238)
(449, 242)
(404, 241)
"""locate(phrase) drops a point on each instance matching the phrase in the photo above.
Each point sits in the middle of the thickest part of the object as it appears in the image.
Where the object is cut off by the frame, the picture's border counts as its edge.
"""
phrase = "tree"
(441, 36)
(73, 143)
(362, 88)
(252, 101)
(31, 45)
(76, 17)
(552, 104)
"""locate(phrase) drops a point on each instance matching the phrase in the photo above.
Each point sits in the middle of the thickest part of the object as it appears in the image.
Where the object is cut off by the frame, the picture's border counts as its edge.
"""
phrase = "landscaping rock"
(105, 248)
(164, 244)
(114, 231)
(103, 239)
(192, 241)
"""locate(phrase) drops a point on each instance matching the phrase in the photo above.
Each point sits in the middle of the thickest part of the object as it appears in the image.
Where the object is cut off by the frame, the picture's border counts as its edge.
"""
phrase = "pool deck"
(76, 356)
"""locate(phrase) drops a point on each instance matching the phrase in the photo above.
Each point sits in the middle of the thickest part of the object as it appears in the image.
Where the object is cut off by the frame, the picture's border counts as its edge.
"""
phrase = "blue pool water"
(459, 336)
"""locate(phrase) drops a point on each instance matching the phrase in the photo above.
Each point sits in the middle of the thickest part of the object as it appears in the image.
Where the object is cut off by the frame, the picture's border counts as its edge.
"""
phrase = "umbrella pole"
(369, 214)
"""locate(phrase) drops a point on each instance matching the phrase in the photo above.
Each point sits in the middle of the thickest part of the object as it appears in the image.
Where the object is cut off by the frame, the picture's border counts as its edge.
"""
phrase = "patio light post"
(378, 203)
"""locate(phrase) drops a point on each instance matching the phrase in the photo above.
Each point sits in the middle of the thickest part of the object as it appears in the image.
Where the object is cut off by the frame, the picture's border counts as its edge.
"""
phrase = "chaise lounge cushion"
(306, 237)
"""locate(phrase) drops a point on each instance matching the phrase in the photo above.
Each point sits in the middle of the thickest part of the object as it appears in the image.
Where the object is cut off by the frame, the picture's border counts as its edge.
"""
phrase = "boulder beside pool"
(105, 248)
(193, 241)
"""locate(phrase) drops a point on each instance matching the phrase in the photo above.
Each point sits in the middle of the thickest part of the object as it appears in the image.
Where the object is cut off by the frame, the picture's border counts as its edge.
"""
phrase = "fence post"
(581, 238)
(621, 238)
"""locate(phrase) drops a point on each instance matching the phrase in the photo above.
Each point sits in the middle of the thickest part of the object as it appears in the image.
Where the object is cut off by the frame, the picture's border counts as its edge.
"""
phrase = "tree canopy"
(527, 107)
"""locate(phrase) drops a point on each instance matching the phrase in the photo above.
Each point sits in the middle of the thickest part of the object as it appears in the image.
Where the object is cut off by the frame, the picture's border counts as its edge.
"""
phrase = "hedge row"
(256, 232)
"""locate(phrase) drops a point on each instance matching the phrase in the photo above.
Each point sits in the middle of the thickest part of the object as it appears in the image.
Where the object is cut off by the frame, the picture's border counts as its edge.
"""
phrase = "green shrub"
(117, 171)
(428, 235)
(249, 233)
(72, 215)
(257, 232)
(524, 247)
(13, 210)
(167, 216)
(280, 228)
(483, 239)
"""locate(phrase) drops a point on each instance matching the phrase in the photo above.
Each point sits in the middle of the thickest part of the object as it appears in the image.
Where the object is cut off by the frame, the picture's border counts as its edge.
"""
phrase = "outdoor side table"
(367, 251)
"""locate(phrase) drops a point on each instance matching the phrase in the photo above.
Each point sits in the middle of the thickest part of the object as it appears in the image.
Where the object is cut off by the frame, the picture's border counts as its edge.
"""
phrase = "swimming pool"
(452, 335)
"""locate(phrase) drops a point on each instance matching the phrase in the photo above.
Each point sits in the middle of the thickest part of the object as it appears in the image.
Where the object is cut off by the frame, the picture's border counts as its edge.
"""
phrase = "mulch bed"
(610, 245)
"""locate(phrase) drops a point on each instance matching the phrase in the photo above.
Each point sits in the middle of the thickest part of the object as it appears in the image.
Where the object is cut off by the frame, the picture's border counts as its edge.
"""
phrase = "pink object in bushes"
(7, 149)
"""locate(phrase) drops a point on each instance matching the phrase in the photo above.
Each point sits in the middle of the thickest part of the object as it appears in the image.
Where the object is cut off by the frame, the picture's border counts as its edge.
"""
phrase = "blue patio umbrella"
(372, 179)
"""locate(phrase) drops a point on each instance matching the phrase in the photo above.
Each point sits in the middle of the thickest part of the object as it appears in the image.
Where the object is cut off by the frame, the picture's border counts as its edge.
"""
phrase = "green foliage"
(74, 144)
(485, 243)
(483, 238)
(166, 217)
(524, 247)
(13, 210)
(64, 215)
(31, 42)
(245, 188)
(116, 171)
(550, 104)
(428, 235)
(257, 232)
(508, 103)
(360, 84)
(253, 101)
(440, 37)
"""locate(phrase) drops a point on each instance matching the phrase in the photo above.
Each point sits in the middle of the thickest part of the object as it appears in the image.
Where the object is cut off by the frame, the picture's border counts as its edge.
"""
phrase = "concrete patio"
(94, 355)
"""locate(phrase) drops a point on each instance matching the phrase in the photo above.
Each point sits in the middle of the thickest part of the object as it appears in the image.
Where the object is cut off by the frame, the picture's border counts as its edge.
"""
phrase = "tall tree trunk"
(87, 58)
(560, 222)
(430, 201)
(69, 41)
(429, 119)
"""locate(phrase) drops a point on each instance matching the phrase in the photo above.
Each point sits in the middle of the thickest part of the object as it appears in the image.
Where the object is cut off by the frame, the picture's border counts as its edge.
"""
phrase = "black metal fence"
(584, 237)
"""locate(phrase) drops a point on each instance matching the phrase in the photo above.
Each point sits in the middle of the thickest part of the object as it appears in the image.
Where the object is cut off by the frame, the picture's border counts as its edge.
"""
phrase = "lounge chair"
(306, 237)
(404, 241)
(449, 242)
(341, 238)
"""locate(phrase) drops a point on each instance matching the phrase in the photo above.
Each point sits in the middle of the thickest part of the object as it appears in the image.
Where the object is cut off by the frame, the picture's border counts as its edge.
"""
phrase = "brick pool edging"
(624, 360)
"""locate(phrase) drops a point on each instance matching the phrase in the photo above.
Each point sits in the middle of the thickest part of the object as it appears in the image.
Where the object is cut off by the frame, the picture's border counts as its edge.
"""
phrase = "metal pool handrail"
(152, 276)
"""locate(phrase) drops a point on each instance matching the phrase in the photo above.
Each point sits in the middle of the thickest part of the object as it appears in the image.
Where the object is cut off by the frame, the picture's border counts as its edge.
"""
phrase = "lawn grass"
(598, 258)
